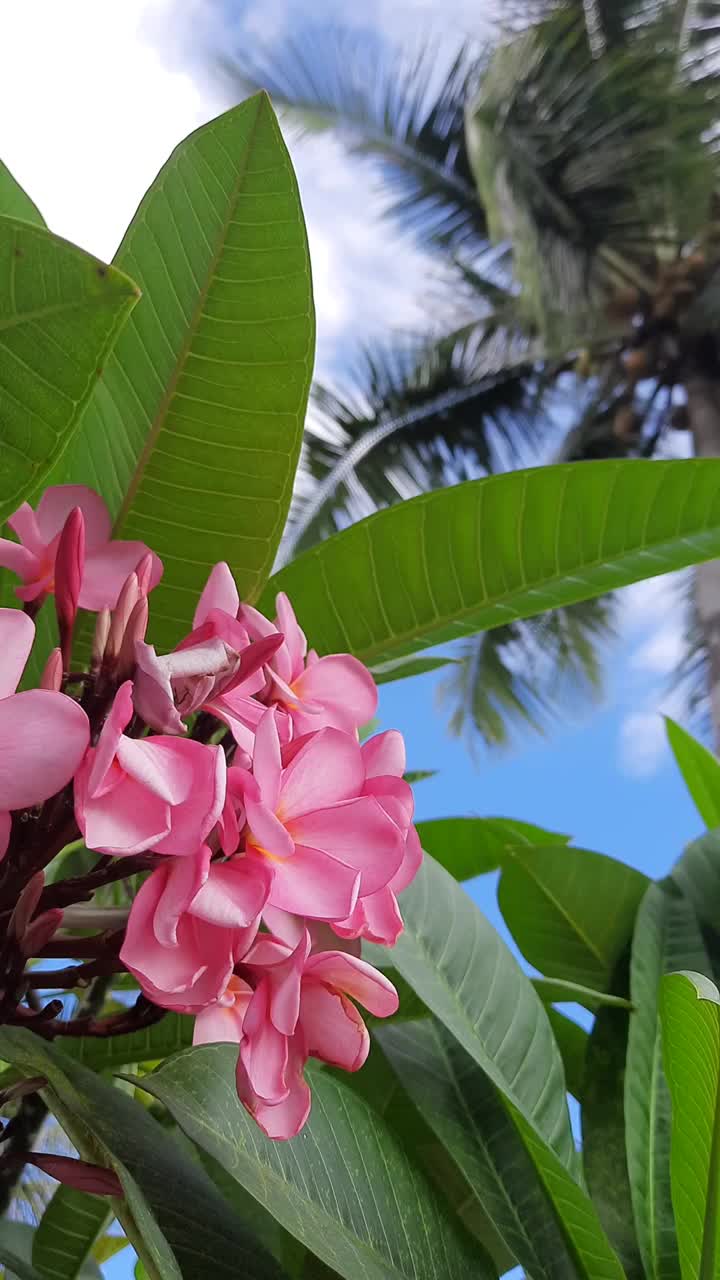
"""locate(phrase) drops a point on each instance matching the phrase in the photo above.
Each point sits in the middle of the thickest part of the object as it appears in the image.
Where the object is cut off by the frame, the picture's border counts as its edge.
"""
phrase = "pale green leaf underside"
(194, 434)
(481, 554)
(67, 1231)
(344, 1187)
(466, 975)
(60, 312)
(14, 200)
(690, 1016)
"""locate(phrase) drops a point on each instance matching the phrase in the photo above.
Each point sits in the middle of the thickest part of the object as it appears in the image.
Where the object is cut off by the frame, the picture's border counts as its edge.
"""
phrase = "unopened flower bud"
(102, 630)
(127, 600)
(69, 567)
(77, 1173)
(40, 931)
(52, 675)
(134, 631)
(25, 905)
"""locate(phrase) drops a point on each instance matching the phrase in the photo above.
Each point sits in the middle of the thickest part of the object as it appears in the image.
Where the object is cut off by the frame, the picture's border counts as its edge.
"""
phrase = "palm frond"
(399, 109)
(417, 415)
(528, 673)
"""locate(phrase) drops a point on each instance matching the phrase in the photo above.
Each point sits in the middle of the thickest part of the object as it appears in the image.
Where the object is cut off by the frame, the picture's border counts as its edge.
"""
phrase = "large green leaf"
(172, 1033)
(697, 874)
(480, 554)
(572, 1041)
(17, 1240)
(690, 1016)
(466, 975)
(469, 847)
(570, 911)
(178, 1214)
(344, 1187)
(463, 1108)
(700, 769)
(194, 434)
(666, 937)
(60, 313)
(67, 1232)
(14, 201)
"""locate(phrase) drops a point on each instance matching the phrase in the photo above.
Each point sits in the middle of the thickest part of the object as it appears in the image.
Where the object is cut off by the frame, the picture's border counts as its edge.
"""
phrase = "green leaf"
(469, 847)
(556, 991)
(570, 911)
(290, 1253)
(403, 669)
(463, 1108)
(179, 1219)
(172, 1033)
(667, 937)
(60, 313)
(419, 775)
(700, 770)
(344, 1187)
(477, 555)
(16, 1267)
(690, 1017)
(572, 1041)
(194, 434)
(67, 1231)
(463, 971)
(14, 201)
(697, 875)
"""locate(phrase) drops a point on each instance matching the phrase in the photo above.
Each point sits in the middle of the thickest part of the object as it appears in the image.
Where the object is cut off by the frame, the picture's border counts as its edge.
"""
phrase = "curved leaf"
(60, 313)
(697, 875)
(572, 1041)
(172, 1033)
(194, 435)
(557, 991)
(700, 770)
(67, 1232)
(479, 554)
(178, 1214)
(469, 847)
(690, 1017)
(465, 974)
(14, 201)
(570, 911)
(667, 937)
(344, 1187)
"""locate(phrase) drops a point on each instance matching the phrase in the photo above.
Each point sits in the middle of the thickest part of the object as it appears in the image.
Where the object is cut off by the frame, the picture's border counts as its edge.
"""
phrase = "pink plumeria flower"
(158, 793)
(376, 916)
(215, 660)
(335, 691)
(308, 819)
(107, 564)
(189, 922)
(43, 734)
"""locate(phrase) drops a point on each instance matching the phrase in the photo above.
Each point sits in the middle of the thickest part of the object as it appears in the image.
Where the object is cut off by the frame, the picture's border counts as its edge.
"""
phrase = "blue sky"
(92, 99)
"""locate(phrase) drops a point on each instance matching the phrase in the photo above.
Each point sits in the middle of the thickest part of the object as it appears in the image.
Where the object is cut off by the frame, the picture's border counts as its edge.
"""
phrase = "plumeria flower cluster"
(230, 773)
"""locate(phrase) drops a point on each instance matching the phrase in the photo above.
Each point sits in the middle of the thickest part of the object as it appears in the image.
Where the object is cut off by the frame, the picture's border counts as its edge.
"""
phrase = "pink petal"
(184, 878)
(266, 760)
(264, 1050)
(23, 522)
(326, 770)
(234, 893)
(314, 885)
(43, 738)
(79, 1174)
(287, 927)
(18, 559)
(295, 641)
(128, 819)
(410, 865)
(228, 825)
(58, 501)
(384, 754)
(340, 683)
(219, 592)
(152, 692)
(5, 830)
(285, 983)
(334, 1029)
(193, 819)
(356, 978)
(221, 1024)
(376, 918)
(158, 765)
(107, 570)
(395, 796)
(267, 833)
(357, 832)
(286, 1118)
(17, 633)
(240, 714)
(119, 718)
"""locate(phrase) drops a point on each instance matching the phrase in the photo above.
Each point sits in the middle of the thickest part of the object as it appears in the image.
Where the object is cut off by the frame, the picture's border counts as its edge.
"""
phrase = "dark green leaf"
(572, 1041)
(667, 937)
(697, 874)
(570, 911)
(179, 1216)
(419, 775)
(60, 313)
(172, 1033)
(700, 769)
(480, 554)
(14, 201)
(344, 1187)
(194, 435)
(404, 669)
(556, 991)
(469, 847)
(67, 1232)
(690, 1017)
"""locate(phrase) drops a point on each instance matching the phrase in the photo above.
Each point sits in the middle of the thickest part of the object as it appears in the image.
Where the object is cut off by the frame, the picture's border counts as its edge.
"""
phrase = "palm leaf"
(526, 674)
(392, 107)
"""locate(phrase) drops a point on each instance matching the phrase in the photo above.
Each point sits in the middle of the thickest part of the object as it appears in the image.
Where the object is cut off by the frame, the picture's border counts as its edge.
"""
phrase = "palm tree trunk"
(703, 394)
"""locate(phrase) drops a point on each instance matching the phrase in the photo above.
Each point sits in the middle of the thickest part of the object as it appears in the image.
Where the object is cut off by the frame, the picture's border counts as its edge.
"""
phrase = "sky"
(93, 97)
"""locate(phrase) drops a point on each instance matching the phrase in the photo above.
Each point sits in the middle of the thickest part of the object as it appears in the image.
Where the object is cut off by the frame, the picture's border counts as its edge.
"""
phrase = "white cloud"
(643, 745)
(662, 651)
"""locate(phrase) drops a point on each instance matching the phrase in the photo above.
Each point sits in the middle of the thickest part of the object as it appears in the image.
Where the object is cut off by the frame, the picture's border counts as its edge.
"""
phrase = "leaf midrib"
(60, 308)
(193, 325)
(545, 891)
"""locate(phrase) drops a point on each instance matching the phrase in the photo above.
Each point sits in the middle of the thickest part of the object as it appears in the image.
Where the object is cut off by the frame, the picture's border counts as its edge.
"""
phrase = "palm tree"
(566, 180)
